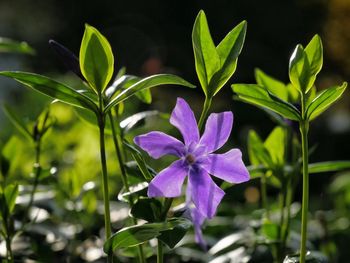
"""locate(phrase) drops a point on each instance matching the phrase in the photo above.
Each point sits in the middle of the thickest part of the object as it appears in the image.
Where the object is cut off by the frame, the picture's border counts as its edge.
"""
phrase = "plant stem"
(206, 106)
(160, 252)
(264, 195)
(304, 127)
(9, 254)
(36, 171)
(118, 150)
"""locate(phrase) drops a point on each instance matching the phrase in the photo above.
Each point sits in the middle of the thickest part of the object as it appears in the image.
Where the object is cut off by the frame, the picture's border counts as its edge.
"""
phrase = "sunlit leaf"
(259, 96)
(52, 88)
(96, 59)
(207, 60)
(258, 154)
(10, 194)
(12, 46)
(324, 100)
(331, 166)
(314, 53)
(275, 144)
(133, 120)
(228, 50)
(149, 82)
(275, 86)
(299, 70)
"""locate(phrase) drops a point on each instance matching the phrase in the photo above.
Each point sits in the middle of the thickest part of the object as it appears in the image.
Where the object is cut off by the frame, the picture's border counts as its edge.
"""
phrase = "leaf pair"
(215, 65)
(305, 64)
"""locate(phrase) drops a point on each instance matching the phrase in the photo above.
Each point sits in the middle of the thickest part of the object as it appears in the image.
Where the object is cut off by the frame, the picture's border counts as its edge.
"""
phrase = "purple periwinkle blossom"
(196, 158)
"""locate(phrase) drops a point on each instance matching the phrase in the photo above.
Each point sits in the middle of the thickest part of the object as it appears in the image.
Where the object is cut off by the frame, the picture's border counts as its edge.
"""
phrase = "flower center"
(190, 159)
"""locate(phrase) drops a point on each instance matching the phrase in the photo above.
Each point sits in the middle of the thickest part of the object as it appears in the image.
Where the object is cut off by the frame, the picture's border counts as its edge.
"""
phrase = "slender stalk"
(9, 254)
(160, 252)
(206, 106)
(118, 150)
(264, 195)
(304, 127)
(36, 171)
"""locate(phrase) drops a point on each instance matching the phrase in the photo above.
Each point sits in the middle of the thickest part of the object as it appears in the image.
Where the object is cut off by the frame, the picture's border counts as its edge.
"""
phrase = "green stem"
(285, 226)
(118, 150)
(206, 106)
(36, 171)
(304, 127)
(264, 195)
(160, 252)
(9, 254)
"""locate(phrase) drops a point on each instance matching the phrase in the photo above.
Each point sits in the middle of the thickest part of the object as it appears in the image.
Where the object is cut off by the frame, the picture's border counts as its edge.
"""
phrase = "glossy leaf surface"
(96, 59)
(52, 88)
(259, 96)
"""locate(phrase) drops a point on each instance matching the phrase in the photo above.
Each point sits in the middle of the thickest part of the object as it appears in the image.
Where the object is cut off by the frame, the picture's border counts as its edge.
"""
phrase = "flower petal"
(217, 130)
(183, 118)
(228, 166)
(206, 195)
(169, 181)
(157, 144)
(198, 220)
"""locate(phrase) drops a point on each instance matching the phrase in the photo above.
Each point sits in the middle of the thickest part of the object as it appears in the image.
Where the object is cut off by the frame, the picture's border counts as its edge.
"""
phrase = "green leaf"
(52, 88)
(273, 85)
(259, 96)
(324, 100)
(148, 209)
(137, 190)
(17, 122)
(270, 230)
(174, 236)
(275, 144)
(331, 166)
(207, 60)
(152, 81)
(12, 46)
(228, 50)
(314, 53)
(258, 154)
(137, 156)
(136, 235)
(96, 59)
(10, 194)
(132, 121)
(299, 70)
(121, 83)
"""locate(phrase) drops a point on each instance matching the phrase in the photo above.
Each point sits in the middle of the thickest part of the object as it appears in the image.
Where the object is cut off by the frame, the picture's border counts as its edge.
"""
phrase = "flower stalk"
(304, 128)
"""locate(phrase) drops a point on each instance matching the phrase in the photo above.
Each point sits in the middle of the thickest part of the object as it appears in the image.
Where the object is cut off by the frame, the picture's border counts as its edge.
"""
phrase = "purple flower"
(196, 158)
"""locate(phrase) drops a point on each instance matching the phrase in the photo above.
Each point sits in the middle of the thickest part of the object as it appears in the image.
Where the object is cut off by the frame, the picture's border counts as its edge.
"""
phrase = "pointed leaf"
(10, 194)
(259, 96)
(17, 122)
(96, 59)
(275, 144)
(173, 236)
(52, 88)
(12, 46)
(324, 100)
(314, 53)
(132, 121)
(299, 70)
(149, 82)
(136, 235)
(207, 60)
(331, 166)
(273, 85)
(228, 50)
(258, 154)
(68, 58)
(148, 209)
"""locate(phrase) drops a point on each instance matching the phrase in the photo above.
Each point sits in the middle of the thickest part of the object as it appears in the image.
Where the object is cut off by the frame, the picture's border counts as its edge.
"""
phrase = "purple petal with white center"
(228, 166)
(217, 130)
(206, 195)
(169, 181)
(157, 144)
(183, 118)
